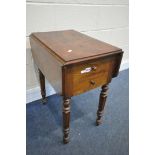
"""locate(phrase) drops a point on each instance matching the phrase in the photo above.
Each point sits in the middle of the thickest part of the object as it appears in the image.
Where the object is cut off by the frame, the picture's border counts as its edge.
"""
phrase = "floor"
(44, 123)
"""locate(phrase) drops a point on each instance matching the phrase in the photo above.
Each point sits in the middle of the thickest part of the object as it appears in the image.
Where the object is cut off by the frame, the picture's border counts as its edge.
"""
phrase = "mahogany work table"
(74, 63)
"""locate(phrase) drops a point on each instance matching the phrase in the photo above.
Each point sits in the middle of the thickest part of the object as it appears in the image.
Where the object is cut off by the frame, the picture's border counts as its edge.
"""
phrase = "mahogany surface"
(74, 63)
(70, 45)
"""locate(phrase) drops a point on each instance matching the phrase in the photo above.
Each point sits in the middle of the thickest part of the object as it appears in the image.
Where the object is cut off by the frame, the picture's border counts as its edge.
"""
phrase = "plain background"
(13, 77)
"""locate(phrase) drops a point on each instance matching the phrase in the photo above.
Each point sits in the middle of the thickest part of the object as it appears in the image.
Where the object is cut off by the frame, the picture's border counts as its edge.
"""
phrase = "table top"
(70, 45)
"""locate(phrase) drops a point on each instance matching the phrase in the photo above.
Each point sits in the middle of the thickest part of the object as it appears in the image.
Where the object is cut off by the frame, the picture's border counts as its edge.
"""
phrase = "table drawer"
(90, 75)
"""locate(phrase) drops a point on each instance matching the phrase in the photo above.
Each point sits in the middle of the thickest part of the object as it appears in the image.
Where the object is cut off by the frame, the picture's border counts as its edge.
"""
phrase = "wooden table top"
(72, 46)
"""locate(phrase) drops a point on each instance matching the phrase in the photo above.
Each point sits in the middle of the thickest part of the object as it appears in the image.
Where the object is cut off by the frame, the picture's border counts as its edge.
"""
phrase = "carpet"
(44, 123)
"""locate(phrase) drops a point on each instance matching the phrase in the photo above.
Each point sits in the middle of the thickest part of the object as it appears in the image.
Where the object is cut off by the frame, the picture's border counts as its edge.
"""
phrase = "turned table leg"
(42, 86)
(102, 100)
(66, 119)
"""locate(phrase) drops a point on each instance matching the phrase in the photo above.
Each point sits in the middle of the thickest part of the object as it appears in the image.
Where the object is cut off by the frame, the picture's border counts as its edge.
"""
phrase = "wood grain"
(71, 45)
(83, 82)
(74, 63)
(76, 83)
(66, 119)
(102, 100)
(48, 64)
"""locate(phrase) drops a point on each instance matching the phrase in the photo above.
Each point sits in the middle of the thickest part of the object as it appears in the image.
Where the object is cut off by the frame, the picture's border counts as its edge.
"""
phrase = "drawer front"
(90, 75)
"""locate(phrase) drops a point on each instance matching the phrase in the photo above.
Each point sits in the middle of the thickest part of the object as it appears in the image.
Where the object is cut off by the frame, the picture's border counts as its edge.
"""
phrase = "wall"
(105, 20)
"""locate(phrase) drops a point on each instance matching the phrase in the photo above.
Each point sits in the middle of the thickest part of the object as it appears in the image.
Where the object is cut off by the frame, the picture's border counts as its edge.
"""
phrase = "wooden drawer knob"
(92, 82)
(94, 68)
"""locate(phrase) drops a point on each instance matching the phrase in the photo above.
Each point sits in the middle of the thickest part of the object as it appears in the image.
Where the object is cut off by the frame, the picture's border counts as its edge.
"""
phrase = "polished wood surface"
(42, 86)
(99, 74)
(102, 100)
(74, 63)
(66, 119)
(47, 64)
(70, 45)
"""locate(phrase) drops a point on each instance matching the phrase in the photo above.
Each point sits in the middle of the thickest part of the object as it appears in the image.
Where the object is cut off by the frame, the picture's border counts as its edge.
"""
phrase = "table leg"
(42, 86)
(102, 100)
(66, 119)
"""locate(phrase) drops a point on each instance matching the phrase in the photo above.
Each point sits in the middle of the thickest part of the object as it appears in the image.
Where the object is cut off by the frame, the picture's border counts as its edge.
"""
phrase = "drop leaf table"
(74, 63)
